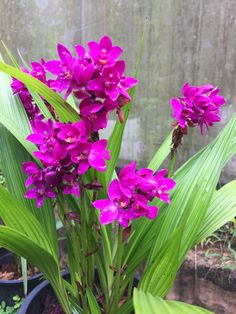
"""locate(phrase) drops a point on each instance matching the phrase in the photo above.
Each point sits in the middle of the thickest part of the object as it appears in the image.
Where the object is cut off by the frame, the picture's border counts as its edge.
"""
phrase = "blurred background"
(186, 40)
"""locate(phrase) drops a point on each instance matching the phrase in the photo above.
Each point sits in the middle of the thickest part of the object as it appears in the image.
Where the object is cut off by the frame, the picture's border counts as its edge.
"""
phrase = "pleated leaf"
(93, 305)
(65, 111)
(160, 275)
(196, 183)
(147, 303)
(13, 128)
(221, 210)
(18, 217)
(13, 154)
(161, 154)
(23, 245)
(44, 109)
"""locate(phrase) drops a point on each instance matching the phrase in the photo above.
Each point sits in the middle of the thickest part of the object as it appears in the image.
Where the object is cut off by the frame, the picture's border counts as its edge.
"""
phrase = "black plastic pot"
(10, 288)
(34, 303)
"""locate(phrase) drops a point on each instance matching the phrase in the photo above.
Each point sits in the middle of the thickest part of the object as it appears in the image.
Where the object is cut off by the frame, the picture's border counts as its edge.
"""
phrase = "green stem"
(91, 248)
(130, 287)
(84, 246)
(172, 163)
(116, 292)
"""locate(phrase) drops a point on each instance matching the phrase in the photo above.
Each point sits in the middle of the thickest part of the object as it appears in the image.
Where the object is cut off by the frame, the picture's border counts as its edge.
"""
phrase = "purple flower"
(51, 153)
(140, 208)
(73, 133)
(38, 71)
(155, 185)
(71, 185)
(103, 52)
(33, 172)
(112, 81)
(72, 74)
(51, 177)
(128, 196)
(83, 71)
(88, 154)
(39, 192)
(43, 132)
(96, 112)
(128, 179)
(114, 207)
(199, 106)
(68, 150)
(63, 69)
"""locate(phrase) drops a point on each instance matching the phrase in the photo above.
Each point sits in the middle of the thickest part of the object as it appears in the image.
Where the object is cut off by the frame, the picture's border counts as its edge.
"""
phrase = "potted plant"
(11, 279)
(113, 222)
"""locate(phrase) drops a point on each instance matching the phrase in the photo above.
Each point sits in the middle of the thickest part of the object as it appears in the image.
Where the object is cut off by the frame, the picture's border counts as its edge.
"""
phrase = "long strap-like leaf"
(147, 303)
(65, 111)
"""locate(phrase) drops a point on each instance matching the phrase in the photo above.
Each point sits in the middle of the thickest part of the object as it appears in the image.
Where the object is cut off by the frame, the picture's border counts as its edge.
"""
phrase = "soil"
(13, 272)
(51, 305)
(208, 279)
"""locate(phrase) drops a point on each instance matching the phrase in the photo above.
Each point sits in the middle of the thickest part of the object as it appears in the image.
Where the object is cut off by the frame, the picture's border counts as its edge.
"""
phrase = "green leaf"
(93, 305)
(20, 244)
(76, 309)
(18, 217)
(24, 236)
(160, 275)
(43, 108)
(12, 127)
(147, 303)
(161, 153)
(65, 111)
(13, 154)
(196, 183)
(24, 274)
(126, 308)
(221, 210)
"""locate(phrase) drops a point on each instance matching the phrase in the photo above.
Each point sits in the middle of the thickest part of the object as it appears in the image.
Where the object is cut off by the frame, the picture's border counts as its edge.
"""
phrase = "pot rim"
(33, 294)
(4, 253)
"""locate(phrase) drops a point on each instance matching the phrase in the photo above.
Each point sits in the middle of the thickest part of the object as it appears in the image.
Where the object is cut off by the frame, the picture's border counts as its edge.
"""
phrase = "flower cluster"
(130, 193)
(200, 105)
(66, 152)
(95, 77)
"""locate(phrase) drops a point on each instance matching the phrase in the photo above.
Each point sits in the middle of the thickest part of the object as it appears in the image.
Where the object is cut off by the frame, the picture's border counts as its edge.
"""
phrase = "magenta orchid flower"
(38, 71)
(88, 154)
(71, 186)
(63, 69)
(43, 132)
(200, 105)
(103, 52)
(51, 154)
(73, 133)
(130, 193)
(155, 185)
(112, 81)
(114, 207)
(40, 192)
(96, 112)
(140, 208)
(33, 172)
